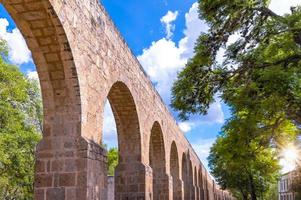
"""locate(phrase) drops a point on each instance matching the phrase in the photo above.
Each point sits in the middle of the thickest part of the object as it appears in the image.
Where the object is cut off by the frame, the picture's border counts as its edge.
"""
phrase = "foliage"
(18, 136)
(241, 164)
(272, 194)
(259, 78)
(262, 64)
(112, 161)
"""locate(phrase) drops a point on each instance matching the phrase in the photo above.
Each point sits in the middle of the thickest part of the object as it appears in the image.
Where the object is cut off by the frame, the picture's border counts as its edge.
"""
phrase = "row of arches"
(187, 180)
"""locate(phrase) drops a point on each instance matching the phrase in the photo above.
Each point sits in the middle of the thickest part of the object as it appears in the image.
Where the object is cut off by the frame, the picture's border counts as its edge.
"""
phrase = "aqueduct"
(81, 60)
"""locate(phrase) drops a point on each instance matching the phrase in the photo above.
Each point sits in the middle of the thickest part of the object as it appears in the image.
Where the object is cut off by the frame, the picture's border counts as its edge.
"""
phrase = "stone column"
(206, 195)
(202, 194)
(193, 192)
(179, 190)
(70, 168)
(197, 193)
(133, 181)
(164, 183)
(210, 194)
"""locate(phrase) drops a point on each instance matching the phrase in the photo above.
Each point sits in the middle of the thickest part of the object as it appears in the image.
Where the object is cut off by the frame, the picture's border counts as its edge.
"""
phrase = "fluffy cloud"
(282, 7)
(194, 26)
(18, 50)
(167, 21)
(33, 75)
(162, 60)
(165, 58)
(185, 126)
(202, 148)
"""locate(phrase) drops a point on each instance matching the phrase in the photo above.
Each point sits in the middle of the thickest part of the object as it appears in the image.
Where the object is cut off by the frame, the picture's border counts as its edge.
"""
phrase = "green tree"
(261, 65)
(112, 161)
(272, 194)
(18, 135)
(240, 163)
(259, 78)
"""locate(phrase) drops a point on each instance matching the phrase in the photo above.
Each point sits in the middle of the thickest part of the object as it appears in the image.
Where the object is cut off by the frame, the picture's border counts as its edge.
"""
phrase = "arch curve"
(175, 172)
(157, 162)
(45, 37)
(127, 122)
(129, 171)
(185, 176)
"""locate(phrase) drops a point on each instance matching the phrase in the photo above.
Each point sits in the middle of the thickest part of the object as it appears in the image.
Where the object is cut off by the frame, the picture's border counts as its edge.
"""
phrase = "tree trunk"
(252, 187)
(244, 194)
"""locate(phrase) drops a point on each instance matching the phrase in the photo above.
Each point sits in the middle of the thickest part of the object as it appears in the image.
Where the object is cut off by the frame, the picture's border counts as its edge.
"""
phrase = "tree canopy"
(258, 76)
(20, 119)
(262, 64)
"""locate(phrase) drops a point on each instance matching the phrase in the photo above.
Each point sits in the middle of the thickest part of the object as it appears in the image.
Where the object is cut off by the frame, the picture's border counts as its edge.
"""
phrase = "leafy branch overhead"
(258, 77)
(268, 45)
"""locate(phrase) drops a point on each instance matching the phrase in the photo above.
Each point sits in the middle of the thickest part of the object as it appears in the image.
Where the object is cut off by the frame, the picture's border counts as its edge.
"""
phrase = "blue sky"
(161, 34)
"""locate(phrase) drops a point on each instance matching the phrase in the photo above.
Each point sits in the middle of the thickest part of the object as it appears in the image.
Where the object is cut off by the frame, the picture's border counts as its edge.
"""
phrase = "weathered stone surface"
(81, 60)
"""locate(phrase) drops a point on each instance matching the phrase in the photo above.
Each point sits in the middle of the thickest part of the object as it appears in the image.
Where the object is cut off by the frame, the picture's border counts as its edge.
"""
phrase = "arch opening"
(196, 192)
(185, 176)
(158, 163)
(200, 183)
(190, 180)
(123, 127)
(175, 172)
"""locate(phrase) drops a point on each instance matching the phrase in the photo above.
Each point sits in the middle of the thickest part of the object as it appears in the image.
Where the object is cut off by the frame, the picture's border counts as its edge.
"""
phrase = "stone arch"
(190, 180)
(196, 188)
(45, 37)
(185, 176)
(158, 163)
(175, 172)
(129, 141)
(200, 183)
(127, 123)
(206, 187)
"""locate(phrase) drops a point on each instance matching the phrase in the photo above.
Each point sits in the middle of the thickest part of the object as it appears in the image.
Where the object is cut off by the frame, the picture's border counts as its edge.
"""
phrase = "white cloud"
(164, 59)
(167, 21)
(18, 50)
(194, 26)
(33, 75)
(202, 148)
(282, 7)
(109, 127)
(185, 126)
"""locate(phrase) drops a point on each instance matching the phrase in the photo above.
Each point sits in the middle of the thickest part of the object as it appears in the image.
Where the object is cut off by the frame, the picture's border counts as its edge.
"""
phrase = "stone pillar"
(111, 188)
(202, 194)
(133, 182)
(197, 193)
(182, 190)
(210, 194)
(206, 195)
(69, 168)
(164, 183)
(179, 190)
(193, 192)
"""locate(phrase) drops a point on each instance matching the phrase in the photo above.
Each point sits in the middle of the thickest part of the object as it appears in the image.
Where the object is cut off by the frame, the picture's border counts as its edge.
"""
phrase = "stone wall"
(111, 186)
